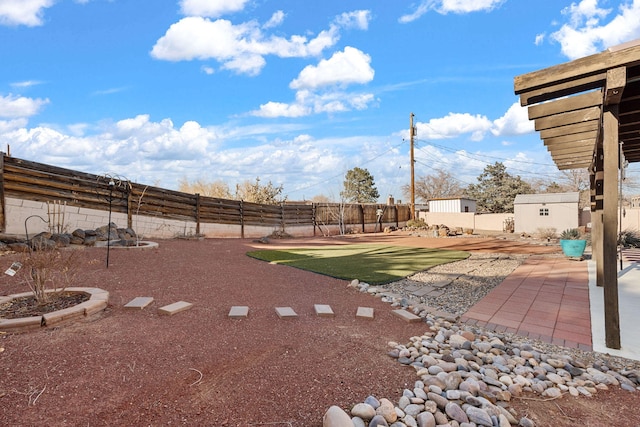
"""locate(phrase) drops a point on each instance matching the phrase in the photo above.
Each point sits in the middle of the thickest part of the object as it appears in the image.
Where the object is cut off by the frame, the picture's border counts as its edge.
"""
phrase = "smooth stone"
(413, 409)
(552, 393)
(409, 421)
(336, 417)
(426, 419)
(403, 402)
(371, 400)
(628, 387)
(453, 394)
(441, 419)
(387, 411)
(364, 411)
(440, 401)
(526, 422)
(478, 416)
(454, 411)
(358, 422)
(378, 421)
(430, 406)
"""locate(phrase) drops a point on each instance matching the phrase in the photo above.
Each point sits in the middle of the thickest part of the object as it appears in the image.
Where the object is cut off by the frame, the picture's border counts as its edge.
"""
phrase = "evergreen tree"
(359, 187)
(496, 189)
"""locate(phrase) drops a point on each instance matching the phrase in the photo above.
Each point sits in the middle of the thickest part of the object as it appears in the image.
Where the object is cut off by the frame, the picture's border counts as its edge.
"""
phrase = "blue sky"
(293, 92)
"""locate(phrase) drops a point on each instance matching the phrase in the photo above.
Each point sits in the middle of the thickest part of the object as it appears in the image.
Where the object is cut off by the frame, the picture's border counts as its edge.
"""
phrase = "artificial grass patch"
(374, 264)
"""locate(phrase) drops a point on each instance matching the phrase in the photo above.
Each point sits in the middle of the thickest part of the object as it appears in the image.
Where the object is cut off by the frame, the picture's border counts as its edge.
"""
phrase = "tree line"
(494, 191)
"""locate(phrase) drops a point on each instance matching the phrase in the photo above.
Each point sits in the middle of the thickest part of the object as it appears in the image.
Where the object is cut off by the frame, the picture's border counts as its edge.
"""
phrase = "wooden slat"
(559, 90)
(573, 103)
(578, 68)
(582, 138)
(572, 117)
(587, 126)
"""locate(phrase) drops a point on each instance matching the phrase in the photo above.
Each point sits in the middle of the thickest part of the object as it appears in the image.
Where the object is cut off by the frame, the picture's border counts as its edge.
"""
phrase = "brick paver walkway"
(544, 298)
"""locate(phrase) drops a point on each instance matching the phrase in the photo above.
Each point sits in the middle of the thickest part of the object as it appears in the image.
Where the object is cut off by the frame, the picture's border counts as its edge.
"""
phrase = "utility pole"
(413, 180)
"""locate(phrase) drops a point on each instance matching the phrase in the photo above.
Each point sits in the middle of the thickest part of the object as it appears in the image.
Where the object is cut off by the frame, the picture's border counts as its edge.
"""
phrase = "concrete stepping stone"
(285, 312)
(407, 316)
(364, 313)
(174, 308)
(239, 312)
(139, 302)
(423, 291)
(323, 310)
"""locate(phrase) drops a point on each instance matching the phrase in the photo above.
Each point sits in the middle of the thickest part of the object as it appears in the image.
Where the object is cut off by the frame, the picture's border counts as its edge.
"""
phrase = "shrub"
(49, 269)
(629, 239)
(571, 234)
(416, 223)
(547, 233)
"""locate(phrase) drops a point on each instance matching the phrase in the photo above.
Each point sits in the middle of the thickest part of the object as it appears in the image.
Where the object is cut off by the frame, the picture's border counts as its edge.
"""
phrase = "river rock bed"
(467, 377)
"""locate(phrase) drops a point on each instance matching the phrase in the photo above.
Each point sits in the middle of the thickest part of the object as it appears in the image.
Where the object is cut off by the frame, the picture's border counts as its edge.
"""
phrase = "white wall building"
(454, 205)
(551, 210)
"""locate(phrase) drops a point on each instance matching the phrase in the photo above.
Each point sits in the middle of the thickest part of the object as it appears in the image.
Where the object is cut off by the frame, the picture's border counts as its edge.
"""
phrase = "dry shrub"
(547, 233)
(49, 270)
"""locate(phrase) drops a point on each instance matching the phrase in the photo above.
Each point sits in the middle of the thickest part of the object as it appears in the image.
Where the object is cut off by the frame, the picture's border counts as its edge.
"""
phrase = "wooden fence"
(22, 179)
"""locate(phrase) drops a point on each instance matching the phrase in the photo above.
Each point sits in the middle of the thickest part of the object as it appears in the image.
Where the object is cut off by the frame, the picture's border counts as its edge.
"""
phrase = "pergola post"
(616, 80)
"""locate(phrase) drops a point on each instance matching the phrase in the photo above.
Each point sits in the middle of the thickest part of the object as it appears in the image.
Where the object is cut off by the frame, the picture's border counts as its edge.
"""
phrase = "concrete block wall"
(18, 210)
(147, 227)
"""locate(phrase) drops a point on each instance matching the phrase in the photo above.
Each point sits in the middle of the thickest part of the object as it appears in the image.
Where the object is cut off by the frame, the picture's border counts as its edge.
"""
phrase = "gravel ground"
(471, 279)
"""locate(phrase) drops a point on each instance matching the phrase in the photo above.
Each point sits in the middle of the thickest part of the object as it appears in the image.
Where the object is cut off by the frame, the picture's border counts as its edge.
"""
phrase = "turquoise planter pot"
(573, 248)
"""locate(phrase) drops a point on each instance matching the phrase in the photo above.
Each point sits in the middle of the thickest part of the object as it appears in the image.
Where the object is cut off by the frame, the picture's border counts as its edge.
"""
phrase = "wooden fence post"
(129, 210)
(362, 216)
(3, 219)
(197, 214)
(313, 218)
(241, 220)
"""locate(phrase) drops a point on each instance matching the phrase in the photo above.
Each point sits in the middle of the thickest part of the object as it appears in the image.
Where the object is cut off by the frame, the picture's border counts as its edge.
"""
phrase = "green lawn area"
(374, 264)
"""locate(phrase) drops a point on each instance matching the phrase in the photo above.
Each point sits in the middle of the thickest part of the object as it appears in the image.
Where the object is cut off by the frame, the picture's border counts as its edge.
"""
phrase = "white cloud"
(23, 12)
(279, 109)
(25, 84)
(319, 88)
(585, 33)
(539, 39)
(207, 70)
(454, 125)
(343, 68)
(357, 19)
(450, 6)
(10, 125)
(514, 122)
(276, 19)
(211, 8)
(19, 106)
(243, 47)
(240, 47)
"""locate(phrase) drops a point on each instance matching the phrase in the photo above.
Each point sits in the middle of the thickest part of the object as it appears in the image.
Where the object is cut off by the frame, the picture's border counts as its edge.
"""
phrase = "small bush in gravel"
(629, 239)
(49, 269)
(416, 223)
(547, 233)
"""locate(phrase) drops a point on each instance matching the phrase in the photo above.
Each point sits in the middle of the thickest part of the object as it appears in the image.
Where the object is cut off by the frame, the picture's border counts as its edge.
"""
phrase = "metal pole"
(413, 182)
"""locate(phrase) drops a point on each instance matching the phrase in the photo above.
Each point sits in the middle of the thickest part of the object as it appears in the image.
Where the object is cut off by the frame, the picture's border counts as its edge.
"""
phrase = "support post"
(616, 80)
(413, 178)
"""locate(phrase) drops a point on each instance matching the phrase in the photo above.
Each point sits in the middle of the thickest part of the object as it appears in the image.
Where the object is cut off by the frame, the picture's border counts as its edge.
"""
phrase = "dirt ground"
(199, 367)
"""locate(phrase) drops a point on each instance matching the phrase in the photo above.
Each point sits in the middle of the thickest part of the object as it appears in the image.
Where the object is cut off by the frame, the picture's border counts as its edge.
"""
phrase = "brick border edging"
(97, 302)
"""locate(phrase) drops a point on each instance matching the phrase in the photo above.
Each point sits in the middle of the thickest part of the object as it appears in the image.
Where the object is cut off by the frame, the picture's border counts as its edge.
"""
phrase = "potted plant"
(573, 243)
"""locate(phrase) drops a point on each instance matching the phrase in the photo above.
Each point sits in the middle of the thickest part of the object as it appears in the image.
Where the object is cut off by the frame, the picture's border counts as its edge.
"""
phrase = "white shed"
(459, 204)
(550, 210)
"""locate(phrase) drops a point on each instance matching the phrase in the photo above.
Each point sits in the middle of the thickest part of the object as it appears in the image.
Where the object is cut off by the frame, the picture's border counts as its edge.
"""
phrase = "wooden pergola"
(588, 114)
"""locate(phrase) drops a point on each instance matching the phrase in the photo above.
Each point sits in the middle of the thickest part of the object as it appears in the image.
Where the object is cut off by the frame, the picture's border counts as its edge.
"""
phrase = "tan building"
(552, 210)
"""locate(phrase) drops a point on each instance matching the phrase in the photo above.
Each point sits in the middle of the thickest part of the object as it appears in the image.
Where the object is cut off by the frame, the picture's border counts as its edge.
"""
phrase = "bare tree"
(440, 184)
(218, 189)
(255, 192)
